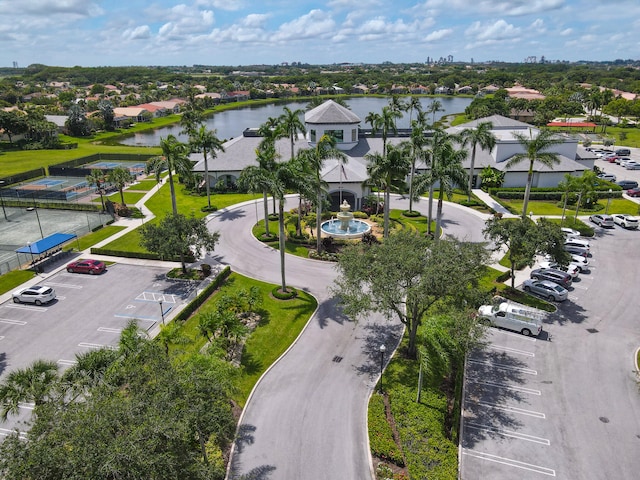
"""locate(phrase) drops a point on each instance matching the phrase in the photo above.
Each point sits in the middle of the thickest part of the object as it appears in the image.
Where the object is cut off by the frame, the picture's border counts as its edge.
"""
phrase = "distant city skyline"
(243, 32)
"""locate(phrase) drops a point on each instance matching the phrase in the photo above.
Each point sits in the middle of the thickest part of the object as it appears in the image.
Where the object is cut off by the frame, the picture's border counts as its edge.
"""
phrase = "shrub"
(411, 213)
(208, 208)
(206, 269)
(381, 438)
(277, 293)
(360, 214)
(194, 304)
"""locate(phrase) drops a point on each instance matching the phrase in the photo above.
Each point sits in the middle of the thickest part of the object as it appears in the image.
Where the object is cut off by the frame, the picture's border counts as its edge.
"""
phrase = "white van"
(512, 316)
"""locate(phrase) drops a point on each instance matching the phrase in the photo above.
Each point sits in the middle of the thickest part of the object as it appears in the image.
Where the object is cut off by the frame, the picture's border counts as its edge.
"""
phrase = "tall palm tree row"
(290, 125)
(536, 149)
(418, 143)
(480, 136)
(389, 171)
(206, 141)
(383, 122)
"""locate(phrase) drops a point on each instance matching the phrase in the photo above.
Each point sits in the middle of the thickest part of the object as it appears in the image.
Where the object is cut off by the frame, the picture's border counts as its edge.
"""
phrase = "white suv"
(625, 221)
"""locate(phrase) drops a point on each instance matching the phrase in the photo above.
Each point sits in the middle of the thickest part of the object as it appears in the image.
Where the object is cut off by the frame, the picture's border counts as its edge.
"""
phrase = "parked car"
(609, 177)
(622, 160)
(38, 294)
(623, 151)
(570, 232)
(572, 269)
(631, 165)
(611, 159)
(602, 219)
(578, 242)
(581, 262)
(625, 221)
(627, 184)
(544, 288)
(577, 250)
(92, 267)
(634, 192)
(555, 276)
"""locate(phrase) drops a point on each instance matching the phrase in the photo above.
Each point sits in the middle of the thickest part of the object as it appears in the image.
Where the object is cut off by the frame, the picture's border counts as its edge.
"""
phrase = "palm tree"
(436, 143)
(397, 106)
(97, 178)
(384, 122)
(257, 178)
(191, 119)
(175, 158)
(35, 384)
(290, 125)
(566, 186)
(418, 142)
(315, 157)
(482, 137)
(119, 177)
(206, 141)
(448, 173)
(434, 107)
(535, 150)
(389, 172)
(413, 104)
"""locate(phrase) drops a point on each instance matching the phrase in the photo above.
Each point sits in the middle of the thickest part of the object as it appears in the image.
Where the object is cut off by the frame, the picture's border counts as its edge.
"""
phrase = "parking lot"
(88, 313)
(564, 404)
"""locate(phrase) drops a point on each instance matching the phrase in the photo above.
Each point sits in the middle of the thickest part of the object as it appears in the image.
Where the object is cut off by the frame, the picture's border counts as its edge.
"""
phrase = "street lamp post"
(608, 202)
(30, 251)
(161, 310)
(382, 350)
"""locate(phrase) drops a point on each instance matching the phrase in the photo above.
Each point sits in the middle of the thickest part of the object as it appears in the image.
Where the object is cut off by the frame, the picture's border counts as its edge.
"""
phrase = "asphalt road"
(567, 404)
(306, 419)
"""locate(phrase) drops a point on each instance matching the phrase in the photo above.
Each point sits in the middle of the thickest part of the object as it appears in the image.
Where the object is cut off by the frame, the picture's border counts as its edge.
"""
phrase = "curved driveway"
(306, 418)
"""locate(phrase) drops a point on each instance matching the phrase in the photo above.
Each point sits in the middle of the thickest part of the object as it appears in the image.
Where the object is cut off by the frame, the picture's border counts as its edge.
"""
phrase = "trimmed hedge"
(143, 255)
(204, 295)
(503, 277)
(293, 293)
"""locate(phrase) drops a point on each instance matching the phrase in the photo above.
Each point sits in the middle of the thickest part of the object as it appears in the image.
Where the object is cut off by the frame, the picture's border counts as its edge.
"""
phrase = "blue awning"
(47, 243)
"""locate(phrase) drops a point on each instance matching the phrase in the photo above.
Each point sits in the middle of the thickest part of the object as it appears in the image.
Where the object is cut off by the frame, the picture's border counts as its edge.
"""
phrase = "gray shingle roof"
(331, 113)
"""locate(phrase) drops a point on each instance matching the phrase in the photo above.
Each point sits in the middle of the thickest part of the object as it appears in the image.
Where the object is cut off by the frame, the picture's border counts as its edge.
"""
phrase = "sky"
(249, 32)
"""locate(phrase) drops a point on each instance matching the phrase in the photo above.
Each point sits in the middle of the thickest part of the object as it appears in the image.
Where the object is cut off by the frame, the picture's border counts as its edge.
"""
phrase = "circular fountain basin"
(355, 229)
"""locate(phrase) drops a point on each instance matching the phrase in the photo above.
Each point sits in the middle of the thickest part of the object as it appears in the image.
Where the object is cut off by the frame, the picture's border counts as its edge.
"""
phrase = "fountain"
(345, 226)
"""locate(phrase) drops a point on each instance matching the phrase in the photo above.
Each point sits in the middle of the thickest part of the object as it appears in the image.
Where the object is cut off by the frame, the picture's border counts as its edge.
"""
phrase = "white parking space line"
(509, 387)
(512, 463)
(84, 277)
(156, 297)
(580, 287)
(516, 335)
(66, 362)
(1, 337)
(65, 285)
(110, 330)
(512, 350)
(134, 317)
(31, 308)
(97, 346)
(507, 408)
(12, 322)
(528, 371)
(509, 433)
(6, 432)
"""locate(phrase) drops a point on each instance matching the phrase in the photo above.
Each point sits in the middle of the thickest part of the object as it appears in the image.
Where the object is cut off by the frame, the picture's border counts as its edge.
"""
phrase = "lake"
(232, 123)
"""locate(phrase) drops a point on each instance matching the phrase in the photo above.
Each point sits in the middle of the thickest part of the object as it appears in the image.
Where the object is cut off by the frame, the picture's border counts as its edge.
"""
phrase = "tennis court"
(49, 188)
(133, 167)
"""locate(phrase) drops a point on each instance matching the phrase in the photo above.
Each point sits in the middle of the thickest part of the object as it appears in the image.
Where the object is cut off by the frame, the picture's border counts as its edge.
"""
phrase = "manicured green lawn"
(143, 185)
(539, 207)
(89, 240)
(282, 322)
(130, 198)
(11, 280)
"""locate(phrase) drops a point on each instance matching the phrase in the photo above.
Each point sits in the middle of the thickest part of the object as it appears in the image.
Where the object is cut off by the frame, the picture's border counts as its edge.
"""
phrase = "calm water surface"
(232, 123)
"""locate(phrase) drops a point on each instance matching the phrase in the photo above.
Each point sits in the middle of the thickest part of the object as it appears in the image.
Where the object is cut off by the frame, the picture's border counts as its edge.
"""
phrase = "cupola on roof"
(331, 112)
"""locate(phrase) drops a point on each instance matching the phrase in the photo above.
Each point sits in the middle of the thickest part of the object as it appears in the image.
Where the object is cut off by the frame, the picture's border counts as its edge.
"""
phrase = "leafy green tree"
(389, 172)
(177, 235)
(536, 149)
(208, 143)
(13, 123)
(172, 334)
(480, 136)
(491, 177)
(409, 276)
(518, 235)
(77, 124)
(106, 112)
(120, 177)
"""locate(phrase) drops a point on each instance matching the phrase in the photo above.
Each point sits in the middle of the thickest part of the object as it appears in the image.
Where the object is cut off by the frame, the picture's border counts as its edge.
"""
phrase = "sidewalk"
(491, 203)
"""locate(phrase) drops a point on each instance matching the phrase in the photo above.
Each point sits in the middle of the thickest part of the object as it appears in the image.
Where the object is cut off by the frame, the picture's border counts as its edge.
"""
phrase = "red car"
(92, 267)
(634, 192)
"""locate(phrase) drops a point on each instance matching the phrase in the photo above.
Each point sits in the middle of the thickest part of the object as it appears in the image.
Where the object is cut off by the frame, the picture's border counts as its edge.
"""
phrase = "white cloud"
(489, 33)
(503, 7)
(80, 8)
(230, 5)
(438, 35)
(137, 33)
(566, 32)
(315, 24)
